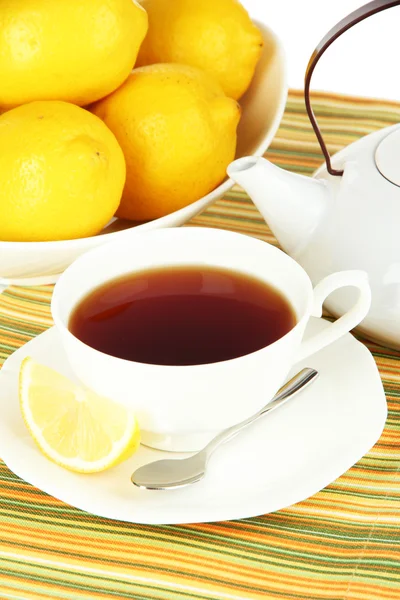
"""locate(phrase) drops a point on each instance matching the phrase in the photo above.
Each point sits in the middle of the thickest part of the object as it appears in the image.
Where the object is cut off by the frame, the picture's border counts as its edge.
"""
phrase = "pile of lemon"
(84, 137)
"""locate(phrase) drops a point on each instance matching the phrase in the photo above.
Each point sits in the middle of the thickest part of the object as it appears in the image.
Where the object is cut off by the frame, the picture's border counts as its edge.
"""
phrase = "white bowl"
(35, 263)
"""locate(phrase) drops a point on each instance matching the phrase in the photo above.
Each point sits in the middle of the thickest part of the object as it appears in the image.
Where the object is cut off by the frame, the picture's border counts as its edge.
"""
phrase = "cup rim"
(62, 326)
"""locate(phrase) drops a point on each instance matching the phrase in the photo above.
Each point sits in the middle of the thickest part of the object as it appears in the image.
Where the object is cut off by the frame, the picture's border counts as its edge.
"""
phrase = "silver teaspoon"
(176, 473)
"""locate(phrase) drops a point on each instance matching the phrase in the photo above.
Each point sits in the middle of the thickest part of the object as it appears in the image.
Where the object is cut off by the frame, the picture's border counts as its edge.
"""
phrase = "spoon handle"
(292, 387)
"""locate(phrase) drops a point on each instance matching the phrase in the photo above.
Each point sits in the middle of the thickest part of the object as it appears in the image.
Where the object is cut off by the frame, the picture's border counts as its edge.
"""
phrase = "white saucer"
(281, 460)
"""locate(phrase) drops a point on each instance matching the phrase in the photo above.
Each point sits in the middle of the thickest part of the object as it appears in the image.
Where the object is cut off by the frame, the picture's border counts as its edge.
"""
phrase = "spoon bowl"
(171, 473)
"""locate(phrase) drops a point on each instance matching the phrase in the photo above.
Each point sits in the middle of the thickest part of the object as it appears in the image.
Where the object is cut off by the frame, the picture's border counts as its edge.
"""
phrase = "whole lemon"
(177, 130)
(215, 35)
(72, 50)
(62, 173)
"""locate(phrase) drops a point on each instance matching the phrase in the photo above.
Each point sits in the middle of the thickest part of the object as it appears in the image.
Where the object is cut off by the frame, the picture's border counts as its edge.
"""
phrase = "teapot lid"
(387, 157)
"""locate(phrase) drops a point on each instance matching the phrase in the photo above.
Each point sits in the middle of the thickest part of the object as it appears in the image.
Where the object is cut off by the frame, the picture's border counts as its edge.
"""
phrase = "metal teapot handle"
(372, 8)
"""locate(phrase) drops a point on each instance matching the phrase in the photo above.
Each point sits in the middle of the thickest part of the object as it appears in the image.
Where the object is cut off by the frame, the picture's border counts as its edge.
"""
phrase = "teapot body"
(360, 229)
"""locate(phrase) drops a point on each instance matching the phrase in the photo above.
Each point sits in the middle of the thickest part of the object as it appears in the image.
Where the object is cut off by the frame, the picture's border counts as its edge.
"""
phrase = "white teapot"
(347, 216)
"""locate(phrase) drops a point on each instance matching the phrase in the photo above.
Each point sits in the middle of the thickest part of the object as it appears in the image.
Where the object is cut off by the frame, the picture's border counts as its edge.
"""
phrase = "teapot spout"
(292, 205)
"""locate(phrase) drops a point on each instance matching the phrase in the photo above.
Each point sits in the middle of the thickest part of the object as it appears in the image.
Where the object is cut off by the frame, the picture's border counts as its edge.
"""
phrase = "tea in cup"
(184, 315)
(195, 329)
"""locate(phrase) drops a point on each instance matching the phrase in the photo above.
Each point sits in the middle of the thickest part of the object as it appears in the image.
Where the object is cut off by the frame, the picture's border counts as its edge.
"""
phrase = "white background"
(365, 61)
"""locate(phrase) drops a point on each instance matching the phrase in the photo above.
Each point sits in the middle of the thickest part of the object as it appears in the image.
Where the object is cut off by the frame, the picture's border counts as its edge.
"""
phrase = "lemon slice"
(72, 425)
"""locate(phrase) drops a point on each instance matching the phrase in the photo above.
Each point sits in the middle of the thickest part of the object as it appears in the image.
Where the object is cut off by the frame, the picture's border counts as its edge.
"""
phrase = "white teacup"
(180, 408)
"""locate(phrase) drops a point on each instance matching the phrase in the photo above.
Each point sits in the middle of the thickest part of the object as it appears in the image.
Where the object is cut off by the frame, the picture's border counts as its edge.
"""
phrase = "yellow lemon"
(73, 426)
(62, 173)
(72, 50)
(215, 35)
(177, 130)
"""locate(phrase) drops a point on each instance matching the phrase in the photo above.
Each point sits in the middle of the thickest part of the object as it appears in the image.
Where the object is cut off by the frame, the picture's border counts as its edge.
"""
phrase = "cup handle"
(345, 323)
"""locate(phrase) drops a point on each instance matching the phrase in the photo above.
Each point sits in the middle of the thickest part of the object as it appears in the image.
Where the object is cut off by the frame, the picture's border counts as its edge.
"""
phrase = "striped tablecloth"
(341, 544)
